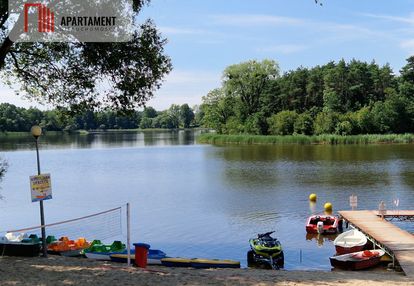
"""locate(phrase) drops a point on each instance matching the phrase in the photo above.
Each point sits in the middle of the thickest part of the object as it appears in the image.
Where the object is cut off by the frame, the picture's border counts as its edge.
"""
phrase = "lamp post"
(37, 132)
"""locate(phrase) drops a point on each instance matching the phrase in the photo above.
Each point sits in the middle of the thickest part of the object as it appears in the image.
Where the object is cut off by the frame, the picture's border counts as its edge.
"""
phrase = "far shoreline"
(209, 136)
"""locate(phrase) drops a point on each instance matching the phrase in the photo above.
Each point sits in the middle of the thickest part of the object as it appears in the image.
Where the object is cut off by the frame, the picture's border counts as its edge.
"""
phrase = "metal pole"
(128, 235)
(42, 214)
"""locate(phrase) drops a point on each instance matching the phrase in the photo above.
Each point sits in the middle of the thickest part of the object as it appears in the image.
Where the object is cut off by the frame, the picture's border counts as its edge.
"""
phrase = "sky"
(206, 36)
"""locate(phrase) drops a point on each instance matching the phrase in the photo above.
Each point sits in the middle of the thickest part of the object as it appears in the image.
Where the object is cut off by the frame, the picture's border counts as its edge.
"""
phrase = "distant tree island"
(18, 119)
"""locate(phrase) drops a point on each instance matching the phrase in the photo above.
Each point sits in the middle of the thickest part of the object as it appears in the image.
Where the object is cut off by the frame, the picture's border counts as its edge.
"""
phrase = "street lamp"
(37, 132)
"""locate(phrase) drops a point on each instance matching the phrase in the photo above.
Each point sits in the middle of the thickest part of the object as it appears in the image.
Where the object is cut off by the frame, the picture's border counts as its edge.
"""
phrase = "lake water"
(200, 200)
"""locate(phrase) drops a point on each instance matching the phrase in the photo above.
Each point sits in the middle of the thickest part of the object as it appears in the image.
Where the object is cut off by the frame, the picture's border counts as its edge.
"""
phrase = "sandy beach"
(57, 270)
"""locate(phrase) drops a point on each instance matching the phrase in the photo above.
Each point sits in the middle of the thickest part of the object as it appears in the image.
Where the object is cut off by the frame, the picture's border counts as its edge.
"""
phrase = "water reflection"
(312, 207)
(355, 154)
(57, 140)
(320, 239)
(332, 166)
(251, 176)
(408, 178)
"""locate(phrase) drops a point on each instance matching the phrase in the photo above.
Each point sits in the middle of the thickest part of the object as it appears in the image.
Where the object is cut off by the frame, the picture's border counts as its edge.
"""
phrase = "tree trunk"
(4, 50)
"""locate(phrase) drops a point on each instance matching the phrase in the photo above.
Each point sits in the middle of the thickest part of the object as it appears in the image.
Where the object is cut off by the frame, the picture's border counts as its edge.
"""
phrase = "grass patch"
(211, 138)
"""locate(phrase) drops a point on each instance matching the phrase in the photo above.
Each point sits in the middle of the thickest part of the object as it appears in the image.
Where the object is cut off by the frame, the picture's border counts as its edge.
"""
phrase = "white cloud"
(180, 31)
(329, 30)
(408, 20)
(191, 77)
(185, 86)
(254, 20)
(283, 49)
(408, 45)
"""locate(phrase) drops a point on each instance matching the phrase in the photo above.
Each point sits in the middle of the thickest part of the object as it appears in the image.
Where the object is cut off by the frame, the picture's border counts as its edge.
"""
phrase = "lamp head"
(36, 131)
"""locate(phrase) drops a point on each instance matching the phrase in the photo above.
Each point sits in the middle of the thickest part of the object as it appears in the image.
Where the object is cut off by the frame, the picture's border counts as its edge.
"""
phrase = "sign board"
(41, 187)
(353, 201)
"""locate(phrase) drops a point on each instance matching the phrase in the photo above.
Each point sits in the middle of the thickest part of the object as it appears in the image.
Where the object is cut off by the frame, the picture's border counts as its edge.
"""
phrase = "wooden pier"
(398, 243)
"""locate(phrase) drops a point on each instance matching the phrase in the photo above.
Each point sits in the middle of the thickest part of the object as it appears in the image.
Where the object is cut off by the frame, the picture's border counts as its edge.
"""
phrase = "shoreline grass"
(219, 139)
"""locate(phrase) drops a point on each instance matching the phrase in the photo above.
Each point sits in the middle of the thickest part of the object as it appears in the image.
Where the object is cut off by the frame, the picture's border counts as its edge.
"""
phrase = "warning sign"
(41, 187)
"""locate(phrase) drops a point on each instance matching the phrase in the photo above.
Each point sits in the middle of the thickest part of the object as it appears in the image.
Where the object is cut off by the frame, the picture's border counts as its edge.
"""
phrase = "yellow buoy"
(312, 197)
(328, 207)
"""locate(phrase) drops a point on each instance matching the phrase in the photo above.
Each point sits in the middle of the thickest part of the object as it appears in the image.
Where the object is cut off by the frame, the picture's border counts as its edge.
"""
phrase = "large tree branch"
(28, 74)
(4, 50)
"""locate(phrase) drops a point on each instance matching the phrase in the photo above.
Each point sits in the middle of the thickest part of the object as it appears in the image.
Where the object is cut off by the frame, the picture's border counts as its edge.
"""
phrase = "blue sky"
(206, 36)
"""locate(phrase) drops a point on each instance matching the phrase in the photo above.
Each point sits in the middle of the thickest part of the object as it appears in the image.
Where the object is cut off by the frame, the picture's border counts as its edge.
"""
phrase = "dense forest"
(341, 98)
(14, 118)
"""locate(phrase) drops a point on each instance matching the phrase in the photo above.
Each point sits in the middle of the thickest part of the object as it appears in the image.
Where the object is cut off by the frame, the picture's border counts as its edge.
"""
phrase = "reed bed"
(218, 139)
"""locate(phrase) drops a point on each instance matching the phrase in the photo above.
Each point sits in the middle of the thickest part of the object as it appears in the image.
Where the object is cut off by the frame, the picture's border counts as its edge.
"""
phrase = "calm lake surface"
(200, 200)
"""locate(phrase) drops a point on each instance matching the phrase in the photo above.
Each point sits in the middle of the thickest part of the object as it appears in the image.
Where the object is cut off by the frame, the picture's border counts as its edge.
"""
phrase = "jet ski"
(265, 250)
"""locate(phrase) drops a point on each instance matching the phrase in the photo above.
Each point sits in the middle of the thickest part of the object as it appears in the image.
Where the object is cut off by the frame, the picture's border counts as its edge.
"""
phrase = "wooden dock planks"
(396, 240)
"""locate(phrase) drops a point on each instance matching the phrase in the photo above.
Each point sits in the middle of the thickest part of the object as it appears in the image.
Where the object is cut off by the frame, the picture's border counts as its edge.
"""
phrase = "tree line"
(13, 118)
(343, 98)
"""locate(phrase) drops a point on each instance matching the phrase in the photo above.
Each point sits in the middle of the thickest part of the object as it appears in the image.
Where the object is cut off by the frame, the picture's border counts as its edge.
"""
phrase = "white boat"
(350, 241)
(11, 237)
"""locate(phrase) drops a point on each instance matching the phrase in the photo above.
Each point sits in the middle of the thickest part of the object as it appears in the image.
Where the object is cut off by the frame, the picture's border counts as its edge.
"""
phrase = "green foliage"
(364, 120)
(198, 115)
(186, 115)
(247, 82)
(382, 117)
(343, 128)
(233, 126)
(331, 100)
(173, 116)
(13, 118)
(217, 109)
(256, 124)
(303, 124)
(337, 98)
(149, 112)
(145, 123)
(406, 85)
(325, 122)
(282, 123)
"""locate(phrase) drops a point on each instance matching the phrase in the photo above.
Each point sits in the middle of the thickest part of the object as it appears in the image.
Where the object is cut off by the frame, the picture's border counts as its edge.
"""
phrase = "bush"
(343, 128)
(325, 122)
(282, 123)
(233, 126)
(256, 124)
(364, 119)
(145, 123)
(303, 124)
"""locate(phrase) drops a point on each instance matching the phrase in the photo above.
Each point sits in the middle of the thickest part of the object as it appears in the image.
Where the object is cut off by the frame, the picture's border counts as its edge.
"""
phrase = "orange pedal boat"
(66, 247)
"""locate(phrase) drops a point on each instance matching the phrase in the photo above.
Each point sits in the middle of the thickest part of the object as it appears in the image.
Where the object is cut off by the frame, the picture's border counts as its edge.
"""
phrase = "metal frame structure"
(398, 217)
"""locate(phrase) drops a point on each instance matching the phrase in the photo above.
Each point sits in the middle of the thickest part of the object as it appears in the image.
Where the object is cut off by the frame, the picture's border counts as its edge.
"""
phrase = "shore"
(327, 139)
(57, 270)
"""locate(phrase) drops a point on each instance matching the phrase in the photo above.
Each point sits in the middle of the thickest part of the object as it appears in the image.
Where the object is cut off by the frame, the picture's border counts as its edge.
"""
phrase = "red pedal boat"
(357, 260)
(323, 224)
